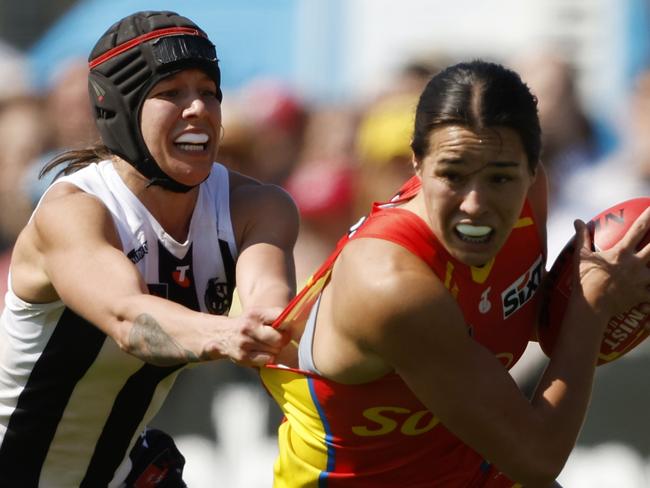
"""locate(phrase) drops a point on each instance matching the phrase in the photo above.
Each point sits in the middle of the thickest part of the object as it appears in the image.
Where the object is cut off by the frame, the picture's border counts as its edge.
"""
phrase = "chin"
(473, 258)
(192, 174)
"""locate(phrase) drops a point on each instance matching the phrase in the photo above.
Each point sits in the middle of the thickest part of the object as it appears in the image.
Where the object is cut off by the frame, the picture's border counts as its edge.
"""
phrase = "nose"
(473, 202)
(195, 107)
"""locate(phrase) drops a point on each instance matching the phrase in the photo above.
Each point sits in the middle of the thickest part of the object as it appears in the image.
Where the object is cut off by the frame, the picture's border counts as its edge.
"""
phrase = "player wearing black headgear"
(88, 357)
(128, 60)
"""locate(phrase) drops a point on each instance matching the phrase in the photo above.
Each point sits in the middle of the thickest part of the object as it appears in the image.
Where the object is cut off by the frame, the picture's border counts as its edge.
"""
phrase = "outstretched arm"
(70, 250)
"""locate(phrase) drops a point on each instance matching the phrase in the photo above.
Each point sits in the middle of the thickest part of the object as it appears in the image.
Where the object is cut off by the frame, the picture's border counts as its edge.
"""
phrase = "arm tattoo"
(149, 342)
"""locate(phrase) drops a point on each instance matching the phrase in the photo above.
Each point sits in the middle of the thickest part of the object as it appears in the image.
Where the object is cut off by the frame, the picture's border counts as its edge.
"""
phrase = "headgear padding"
(128, 60)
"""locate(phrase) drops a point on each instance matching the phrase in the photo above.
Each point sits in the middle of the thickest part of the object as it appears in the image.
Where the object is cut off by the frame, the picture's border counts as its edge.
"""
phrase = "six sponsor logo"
(523, 289)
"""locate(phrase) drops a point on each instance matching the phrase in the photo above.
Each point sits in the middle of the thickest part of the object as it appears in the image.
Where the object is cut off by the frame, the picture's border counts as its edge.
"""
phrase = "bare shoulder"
(248, 193)
(261, 206)
(382, 306)
(390, 287)
(65, 218)
(67, 211)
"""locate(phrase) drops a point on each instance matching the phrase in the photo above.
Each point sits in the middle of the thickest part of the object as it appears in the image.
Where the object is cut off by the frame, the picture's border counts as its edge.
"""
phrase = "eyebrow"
(497, 164)
(504, 164)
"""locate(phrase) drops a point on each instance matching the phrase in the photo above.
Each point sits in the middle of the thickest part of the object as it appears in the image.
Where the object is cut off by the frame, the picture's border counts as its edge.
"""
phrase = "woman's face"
(473, 188)
(180, 122)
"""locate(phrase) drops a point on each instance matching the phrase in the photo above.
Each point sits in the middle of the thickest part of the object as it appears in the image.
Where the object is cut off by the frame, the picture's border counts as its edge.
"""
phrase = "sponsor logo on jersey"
(136, 255)
(181, 276)
(523, 289)
(384, 420)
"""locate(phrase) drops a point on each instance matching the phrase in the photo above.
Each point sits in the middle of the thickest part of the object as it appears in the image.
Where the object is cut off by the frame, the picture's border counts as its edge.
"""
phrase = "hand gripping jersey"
(71, 402)
(378, 434)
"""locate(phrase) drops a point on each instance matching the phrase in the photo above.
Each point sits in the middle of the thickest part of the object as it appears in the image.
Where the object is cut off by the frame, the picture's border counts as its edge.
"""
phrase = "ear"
(417, 165)
(534, 172)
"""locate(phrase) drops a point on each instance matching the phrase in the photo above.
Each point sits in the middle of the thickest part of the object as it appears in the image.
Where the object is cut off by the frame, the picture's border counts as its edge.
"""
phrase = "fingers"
(269, 336)
(249, 341)
(257, 359)
(243, 357)
(637, 232)
(583, 241)
(584, 237)
(268, 315)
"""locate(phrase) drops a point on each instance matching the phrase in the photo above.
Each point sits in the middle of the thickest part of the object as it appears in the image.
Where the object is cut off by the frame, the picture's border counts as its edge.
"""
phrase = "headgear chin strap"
(127, 61)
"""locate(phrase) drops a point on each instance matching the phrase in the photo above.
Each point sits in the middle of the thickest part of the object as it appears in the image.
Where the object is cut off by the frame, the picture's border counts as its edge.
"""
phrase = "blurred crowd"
(334, 159)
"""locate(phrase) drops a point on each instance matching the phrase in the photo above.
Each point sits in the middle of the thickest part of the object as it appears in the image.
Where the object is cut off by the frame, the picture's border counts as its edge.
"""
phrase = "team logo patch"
(485, 305)
(218, 297)
(523, 289)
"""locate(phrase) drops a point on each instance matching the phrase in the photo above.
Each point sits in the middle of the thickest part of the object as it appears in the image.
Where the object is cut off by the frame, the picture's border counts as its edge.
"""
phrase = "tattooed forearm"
(149, 342)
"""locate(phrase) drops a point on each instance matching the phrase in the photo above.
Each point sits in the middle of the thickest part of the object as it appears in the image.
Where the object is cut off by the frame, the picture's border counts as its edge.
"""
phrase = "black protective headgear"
(128, 60)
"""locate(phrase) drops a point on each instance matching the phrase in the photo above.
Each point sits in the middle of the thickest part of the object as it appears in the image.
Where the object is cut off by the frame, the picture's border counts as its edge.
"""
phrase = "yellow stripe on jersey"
(303, 452)
(479, 275)
(523, 222)
(451, 286)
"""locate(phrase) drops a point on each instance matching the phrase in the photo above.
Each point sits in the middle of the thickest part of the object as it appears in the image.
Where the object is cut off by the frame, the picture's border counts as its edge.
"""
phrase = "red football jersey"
(378, 434)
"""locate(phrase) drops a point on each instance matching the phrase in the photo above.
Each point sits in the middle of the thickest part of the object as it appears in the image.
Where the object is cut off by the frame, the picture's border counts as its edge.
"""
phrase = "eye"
(211, 92)
(501, 178)
(168, 94)
(451, 177)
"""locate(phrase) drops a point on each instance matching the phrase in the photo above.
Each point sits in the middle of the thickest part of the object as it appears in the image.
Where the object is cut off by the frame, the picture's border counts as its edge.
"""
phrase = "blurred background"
(319, 98)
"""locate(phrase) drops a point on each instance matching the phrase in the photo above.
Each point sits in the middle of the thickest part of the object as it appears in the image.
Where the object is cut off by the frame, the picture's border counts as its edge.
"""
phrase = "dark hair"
(75, 159)
(478, 95)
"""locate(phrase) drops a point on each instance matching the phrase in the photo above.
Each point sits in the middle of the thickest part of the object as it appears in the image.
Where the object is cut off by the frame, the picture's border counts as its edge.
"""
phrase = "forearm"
(533, 447)
(165, 333)
(269, 293)
(564, 391)
(275, 286)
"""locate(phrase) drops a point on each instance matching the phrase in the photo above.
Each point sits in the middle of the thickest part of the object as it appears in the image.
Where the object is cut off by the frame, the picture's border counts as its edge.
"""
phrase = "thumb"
(270, 314)
(584, 241)
(260, 358)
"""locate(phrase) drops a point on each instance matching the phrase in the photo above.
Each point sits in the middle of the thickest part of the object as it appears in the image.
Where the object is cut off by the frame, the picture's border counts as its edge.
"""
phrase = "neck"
(172, 210)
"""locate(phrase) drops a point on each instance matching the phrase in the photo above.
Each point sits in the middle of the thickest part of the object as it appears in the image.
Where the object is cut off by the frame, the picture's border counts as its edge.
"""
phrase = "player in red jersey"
(405, 334)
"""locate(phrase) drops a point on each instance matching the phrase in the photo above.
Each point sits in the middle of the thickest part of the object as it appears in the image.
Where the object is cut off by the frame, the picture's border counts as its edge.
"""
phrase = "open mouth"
(192, 142)
(474, 234)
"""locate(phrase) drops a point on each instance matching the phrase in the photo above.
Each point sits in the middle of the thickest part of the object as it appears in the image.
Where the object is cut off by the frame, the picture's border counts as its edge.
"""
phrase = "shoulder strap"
(404, 228)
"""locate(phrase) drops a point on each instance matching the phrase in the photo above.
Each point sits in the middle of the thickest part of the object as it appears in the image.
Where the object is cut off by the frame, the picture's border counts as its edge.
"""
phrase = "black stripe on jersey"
(128, 410)
(72, 349)
(219, 290)
(228, 266)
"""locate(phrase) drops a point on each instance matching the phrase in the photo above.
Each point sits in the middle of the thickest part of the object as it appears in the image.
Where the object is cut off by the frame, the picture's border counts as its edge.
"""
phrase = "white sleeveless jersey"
(71, 402)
